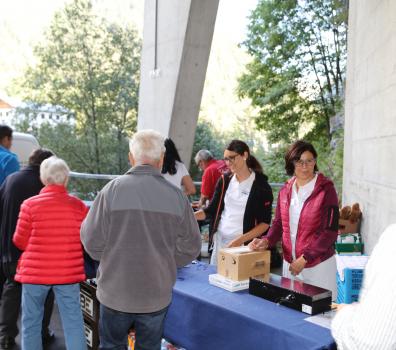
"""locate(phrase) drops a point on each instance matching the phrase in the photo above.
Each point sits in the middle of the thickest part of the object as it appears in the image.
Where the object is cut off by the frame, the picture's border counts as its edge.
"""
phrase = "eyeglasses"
(300, 163)
(231, 159)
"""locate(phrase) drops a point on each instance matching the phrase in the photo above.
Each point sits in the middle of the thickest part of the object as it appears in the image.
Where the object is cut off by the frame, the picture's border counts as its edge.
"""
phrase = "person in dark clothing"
(241, 207)
(16, 188)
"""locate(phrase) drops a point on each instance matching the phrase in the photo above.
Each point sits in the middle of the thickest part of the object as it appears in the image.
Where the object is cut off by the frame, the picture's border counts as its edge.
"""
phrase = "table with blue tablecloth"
(206, 317)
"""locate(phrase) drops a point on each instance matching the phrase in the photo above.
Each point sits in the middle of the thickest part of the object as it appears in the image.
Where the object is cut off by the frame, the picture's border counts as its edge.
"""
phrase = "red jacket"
(211, 175)
(317, 226)
(48, 231)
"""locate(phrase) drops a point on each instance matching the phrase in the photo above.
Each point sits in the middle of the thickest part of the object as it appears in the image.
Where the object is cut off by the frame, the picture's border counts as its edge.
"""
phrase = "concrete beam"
(177, 38)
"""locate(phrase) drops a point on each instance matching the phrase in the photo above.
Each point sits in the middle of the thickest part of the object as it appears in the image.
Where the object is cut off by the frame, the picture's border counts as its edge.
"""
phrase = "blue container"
(348, 290)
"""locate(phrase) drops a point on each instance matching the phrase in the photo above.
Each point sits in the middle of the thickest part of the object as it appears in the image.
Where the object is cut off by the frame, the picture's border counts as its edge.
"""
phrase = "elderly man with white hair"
(48, 233)
(212, 170)
(140, 228)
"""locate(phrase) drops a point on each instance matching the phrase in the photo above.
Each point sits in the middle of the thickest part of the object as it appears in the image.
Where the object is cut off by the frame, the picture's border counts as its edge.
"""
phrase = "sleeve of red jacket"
(327, 234)
(276, 230)
(24, 227)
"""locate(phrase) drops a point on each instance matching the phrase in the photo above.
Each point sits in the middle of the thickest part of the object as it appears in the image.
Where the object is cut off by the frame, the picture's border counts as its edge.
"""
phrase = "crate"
(90, 310)
(348, 290)
(356, 247)
(91, 332)
(89, 303)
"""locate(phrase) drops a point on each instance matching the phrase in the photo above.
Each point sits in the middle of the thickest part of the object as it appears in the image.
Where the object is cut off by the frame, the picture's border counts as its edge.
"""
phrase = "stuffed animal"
(353, 214)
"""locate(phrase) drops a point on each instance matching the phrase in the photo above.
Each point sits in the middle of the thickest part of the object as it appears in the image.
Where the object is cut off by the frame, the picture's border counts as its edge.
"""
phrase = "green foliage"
(296, 77)
(90, 67)
(206, 138)
(298, 68)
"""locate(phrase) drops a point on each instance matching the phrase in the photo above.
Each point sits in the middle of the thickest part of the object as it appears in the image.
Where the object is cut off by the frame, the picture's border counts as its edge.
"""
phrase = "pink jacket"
(317, 226)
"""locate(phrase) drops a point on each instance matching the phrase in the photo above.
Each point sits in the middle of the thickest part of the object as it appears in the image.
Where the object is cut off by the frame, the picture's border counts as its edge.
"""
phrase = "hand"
(297, 265)
(258, 244)
(200, 215)
(237, 242)
(340, 306)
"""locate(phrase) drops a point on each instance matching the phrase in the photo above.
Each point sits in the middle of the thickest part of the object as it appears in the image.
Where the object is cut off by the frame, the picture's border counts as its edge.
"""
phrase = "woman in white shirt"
(174, 170)
(240, 209)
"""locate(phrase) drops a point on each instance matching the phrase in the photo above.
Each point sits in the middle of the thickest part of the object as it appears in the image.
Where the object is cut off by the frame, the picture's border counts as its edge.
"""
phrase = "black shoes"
(48, 336)
(7, 342)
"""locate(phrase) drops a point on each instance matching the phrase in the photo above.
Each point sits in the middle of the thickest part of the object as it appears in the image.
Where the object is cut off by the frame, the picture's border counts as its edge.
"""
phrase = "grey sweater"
(140, 228)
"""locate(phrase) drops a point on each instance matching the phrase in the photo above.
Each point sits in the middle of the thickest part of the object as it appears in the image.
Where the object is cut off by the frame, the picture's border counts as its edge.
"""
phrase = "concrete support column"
(370, 115)
(177, 38)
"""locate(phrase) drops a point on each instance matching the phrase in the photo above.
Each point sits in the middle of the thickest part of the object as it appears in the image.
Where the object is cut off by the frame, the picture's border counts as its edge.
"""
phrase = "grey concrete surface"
(177, 38)
(370, 116)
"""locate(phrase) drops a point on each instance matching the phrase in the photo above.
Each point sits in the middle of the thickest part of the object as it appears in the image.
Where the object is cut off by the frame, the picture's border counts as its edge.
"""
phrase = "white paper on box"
(237, 250)
(228, 284)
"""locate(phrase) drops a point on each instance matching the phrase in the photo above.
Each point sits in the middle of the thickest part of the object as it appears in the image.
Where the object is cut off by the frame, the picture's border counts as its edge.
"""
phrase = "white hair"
(54, 171)
(147, 146)
(204, 155)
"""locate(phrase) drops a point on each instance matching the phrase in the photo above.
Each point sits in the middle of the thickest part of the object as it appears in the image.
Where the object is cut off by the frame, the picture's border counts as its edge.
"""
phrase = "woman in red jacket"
(306, 219)
(48, 233)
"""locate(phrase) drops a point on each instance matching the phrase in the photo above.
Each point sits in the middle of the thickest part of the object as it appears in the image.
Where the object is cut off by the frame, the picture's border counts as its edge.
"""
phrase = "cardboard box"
(345, 226)
(240, 263)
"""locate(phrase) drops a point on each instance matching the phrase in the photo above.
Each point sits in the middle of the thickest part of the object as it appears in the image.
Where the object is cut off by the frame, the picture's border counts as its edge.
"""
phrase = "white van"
(23, 145)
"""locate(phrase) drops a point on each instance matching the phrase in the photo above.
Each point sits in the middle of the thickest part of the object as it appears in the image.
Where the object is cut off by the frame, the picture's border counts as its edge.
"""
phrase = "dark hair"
(38, 155)
(294, 153)
(241, 147)
(170, 158)
(5, 131)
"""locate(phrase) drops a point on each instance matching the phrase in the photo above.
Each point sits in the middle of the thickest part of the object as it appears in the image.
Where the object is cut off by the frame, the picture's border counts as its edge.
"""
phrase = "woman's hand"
(200, 215)
(237, 242)
(258, 244)
(297, 265)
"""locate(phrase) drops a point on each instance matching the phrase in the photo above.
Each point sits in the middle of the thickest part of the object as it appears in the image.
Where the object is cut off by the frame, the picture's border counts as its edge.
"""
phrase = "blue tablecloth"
(202, 316)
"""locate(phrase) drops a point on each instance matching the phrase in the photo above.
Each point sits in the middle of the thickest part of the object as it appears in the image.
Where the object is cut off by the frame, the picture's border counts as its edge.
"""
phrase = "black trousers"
(11, 304)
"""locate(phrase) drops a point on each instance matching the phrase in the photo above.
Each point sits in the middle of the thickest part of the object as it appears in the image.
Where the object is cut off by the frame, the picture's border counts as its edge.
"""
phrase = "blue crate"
(348, 290)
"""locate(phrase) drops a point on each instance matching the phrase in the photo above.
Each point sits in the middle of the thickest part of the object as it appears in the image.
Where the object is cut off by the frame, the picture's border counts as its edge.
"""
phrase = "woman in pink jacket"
(48, 233)
(306, 220)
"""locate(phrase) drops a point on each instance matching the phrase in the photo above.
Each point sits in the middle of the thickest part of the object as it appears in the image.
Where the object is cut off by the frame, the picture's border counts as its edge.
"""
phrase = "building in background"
(13, 112)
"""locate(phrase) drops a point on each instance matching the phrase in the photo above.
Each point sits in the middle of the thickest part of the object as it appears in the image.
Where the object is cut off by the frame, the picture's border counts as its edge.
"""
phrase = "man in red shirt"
(212, 170)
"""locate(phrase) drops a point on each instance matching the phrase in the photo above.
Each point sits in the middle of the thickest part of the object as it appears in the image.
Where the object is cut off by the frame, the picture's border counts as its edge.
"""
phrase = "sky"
(232, 17)
(22, 23)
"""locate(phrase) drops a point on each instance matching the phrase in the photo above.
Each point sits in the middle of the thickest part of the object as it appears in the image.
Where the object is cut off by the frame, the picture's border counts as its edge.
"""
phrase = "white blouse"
(176, 179)
(296, 203)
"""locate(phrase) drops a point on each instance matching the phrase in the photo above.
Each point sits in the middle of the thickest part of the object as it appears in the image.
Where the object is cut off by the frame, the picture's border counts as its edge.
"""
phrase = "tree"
(90, 67)
(206, 138)
(297, 73)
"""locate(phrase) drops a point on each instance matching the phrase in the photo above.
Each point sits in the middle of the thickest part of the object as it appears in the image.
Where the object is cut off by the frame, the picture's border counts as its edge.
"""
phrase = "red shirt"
(210, 176)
